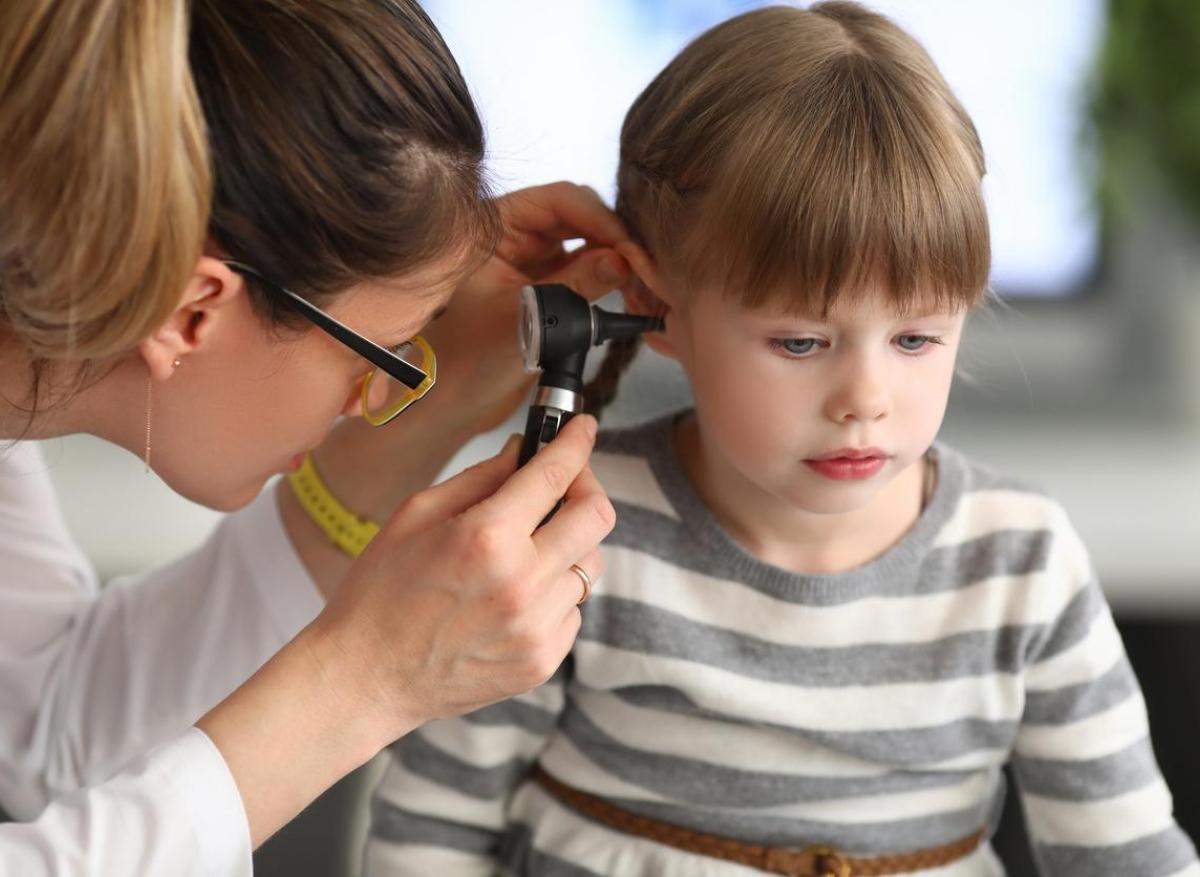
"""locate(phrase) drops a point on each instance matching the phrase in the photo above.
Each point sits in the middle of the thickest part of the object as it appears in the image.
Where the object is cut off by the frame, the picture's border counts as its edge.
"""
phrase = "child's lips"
(849, 464)
(850, 454)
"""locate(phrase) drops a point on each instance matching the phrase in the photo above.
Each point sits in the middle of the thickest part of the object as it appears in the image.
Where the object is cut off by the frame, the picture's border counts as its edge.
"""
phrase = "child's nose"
(861, 394)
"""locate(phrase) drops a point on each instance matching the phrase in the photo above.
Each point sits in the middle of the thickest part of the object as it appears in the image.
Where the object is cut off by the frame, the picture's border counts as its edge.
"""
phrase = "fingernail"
(590, 425)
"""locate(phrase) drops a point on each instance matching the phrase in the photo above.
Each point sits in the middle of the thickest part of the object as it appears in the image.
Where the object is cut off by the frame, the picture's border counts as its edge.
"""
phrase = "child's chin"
(834, 498)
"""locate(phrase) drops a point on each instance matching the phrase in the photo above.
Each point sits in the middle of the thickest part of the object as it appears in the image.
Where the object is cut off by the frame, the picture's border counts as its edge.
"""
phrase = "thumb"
(452, 497)
(592, 272)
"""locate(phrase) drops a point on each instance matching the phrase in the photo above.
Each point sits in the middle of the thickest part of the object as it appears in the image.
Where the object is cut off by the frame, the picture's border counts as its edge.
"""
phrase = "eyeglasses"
(406, 380)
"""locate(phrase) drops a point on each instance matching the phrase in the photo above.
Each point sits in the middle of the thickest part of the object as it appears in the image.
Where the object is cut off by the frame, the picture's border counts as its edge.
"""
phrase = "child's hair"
(795, 157)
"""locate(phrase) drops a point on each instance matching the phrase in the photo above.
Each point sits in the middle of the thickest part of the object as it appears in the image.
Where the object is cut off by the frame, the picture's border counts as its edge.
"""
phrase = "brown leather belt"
(815, 861)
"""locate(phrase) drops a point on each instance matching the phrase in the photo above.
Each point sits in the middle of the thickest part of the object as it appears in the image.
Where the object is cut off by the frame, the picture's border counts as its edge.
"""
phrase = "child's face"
(775, 392)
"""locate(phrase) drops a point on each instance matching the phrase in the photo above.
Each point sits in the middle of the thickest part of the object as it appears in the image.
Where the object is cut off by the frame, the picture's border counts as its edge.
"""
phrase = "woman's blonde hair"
(104, 173)
(792, 157)
(344, 145)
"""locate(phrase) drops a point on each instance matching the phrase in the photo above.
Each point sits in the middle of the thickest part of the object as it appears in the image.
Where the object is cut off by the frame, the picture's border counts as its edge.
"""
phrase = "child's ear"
(202, 307)
(646, 294)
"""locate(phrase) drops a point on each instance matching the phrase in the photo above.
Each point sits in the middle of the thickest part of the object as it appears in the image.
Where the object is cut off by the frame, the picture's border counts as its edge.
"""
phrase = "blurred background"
(1086, 381)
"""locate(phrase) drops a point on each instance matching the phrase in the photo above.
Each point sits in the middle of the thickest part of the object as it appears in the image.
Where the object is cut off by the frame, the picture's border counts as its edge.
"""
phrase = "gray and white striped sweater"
(870, 710)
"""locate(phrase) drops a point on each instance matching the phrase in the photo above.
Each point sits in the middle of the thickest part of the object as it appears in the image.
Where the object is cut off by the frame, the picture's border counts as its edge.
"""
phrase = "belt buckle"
(815, 861)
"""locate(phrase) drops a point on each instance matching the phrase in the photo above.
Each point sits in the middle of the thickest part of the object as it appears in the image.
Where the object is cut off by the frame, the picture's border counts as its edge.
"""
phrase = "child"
(820, 636)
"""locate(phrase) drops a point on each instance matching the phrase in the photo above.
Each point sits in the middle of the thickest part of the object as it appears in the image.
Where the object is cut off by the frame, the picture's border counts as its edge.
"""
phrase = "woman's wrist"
(353, 685)
(306, 719)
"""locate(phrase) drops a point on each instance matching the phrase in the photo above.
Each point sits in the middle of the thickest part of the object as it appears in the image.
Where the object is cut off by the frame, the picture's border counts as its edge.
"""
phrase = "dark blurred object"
(1145, 101)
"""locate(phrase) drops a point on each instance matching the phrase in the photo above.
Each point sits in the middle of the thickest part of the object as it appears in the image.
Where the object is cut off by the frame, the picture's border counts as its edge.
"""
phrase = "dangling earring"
(149, 397)
(149, 401)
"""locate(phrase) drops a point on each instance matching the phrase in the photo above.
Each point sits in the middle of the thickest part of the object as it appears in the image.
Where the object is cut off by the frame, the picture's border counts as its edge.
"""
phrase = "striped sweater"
(871, 710)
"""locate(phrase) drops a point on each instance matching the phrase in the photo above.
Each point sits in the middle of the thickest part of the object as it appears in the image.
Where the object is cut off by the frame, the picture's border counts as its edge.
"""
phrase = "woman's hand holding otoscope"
(557, 329)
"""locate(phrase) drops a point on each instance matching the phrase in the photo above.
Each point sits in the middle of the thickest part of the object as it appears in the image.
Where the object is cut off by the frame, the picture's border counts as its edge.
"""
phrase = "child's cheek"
(757, 424)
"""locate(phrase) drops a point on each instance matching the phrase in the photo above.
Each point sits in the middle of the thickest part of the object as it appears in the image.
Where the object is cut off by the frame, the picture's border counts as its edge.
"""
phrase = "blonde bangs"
(794, 158)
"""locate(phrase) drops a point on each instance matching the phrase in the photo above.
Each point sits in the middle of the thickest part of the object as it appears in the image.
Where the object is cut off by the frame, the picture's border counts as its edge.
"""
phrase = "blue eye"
(913, 343)
(795, 346)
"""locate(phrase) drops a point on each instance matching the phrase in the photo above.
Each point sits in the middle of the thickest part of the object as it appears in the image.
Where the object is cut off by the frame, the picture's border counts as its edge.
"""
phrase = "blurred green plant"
(1145, 102)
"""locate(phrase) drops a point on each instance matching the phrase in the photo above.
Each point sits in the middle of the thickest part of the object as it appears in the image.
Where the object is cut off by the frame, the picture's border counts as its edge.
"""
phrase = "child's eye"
(795, 346)
(913, 343)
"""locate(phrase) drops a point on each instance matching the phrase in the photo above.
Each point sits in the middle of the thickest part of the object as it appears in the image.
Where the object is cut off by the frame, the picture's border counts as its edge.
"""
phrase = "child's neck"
(784, 536)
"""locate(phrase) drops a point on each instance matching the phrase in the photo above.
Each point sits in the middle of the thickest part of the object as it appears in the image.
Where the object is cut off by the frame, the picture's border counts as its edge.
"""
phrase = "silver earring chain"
(149, 399)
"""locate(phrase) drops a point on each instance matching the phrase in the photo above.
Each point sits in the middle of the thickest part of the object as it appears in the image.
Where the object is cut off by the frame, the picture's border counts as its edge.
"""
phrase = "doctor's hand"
(480, 376)
(461, 600)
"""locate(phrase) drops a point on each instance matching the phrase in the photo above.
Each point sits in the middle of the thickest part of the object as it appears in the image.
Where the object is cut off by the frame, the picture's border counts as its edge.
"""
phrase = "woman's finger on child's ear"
(592, 272)
(563, 210)
(518, 246)
(639, 260)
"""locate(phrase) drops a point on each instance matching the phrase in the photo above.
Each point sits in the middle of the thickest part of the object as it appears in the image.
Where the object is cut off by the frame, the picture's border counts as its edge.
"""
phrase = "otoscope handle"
(541, 426)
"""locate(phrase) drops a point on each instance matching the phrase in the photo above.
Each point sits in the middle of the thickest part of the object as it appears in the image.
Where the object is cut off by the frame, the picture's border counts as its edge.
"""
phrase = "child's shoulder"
(986, 501)
(632, 461)
(979, 477)
(645, 439)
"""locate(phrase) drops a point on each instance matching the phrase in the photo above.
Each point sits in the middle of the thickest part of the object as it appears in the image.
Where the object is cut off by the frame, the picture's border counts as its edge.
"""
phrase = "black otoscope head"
(557, 329)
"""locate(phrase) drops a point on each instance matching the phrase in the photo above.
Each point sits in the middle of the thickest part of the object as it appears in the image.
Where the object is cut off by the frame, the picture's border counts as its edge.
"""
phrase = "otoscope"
(557, 327)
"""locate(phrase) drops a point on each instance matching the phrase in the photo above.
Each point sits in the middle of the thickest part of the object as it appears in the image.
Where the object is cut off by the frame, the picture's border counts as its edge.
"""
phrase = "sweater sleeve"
(441, 805)
(176, 811)
(1095, 801)
(91, 678)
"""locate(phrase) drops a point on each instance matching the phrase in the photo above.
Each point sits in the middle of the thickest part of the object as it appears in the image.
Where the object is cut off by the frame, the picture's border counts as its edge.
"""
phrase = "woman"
(343, 157)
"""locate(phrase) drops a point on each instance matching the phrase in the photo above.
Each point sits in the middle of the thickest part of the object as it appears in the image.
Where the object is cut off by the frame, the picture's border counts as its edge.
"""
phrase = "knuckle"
(557, 476)
(484, 544)
(605, 514)
(416, 505)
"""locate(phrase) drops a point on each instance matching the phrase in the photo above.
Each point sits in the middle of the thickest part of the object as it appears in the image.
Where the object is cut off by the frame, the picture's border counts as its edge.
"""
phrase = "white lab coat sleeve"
(91, 679)
(176, 811)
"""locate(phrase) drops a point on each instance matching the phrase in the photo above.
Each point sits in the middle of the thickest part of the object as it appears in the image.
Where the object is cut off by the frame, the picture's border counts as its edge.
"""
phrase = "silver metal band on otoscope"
(557, 397)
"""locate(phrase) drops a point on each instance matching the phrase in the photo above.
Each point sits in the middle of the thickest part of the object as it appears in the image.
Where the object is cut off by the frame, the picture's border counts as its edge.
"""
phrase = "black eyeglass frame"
(380, 357)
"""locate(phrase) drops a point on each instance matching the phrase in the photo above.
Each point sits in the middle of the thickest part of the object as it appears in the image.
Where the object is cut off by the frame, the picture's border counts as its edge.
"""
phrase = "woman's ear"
(202, 308)
(646, 294)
